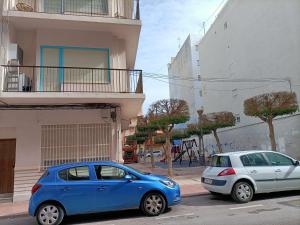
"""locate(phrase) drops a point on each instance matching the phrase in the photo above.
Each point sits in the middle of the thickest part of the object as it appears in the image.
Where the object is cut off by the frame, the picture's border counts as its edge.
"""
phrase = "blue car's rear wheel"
(153, 204)
(50, 214)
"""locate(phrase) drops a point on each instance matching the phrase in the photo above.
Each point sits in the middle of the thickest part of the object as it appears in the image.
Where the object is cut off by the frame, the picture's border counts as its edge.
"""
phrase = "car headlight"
(168, 183)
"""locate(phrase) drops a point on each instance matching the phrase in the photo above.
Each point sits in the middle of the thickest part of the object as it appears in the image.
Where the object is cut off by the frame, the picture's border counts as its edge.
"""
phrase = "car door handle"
(102, 188)
(65, 189)
(253, 171)
(278, 170)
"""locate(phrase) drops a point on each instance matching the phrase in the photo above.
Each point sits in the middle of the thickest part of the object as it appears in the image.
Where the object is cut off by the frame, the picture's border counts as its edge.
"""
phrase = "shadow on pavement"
(275, 195)
(220, 200)
(103, 217)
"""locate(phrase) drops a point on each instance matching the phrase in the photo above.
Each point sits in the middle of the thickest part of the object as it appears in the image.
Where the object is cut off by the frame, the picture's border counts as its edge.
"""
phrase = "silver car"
(243, 174)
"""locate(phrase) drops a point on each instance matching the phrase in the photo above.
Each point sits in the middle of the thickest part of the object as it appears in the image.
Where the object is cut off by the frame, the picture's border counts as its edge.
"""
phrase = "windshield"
(220, 161)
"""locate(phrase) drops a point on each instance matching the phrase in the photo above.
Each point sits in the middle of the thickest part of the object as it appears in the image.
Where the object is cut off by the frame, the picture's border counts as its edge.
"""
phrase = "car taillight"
(35, 188)
(227, 172)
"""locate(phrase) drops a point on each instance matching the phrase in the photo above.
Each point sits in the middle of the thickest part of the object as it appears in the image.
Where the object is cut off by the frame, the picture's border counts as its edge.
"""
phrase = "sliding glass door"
(73, 68)
(77, 7)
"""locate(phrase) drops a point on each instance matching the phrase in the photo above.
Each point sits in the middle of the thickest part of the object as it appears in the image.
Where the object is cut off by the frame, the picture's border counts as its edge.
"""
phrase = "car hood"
(157, 177)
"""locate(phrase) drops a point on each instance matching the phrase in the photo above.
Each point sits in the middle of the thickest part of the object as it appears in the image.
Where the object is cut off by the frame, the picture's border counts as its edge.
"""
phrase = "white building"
(184, 76)
(254, 48)
(68, 85)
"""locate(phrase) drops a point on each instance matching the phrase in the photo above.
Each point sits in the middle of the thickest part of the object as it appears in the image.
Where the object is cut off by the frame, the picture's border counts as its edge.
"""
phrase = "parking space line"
(246, 207)
(170, 217)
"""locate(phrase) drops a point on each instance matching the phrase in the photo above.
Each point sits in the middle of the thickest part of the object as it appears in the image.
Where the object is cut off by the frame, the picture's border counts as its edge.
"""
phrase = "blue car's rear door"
(76, 191)
(114, 192)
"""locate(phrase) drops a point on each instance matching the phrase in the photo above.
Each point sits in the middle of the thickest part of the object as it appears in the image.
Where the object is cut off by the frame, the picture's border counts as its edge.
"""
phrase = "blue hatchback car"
(92, 187)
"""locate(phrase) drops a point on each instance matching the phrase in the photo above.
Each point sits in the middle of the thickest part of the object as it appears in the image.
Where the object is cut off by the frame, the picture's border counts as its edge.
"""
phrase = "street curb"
(195, 194)
(12, 216)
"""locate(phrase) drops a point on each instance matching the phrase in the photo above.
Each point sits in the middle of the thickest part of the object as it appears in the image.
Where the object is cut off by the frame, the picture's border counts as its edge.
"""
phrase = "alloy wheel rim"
(48, 215)
(154, 204)
(243, 192)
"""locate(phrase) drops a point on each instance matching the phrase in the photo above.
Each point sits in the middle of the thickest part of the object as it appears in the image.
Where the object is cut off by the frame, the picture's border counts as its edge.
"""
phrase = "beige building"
(252, 48)
(68, 86)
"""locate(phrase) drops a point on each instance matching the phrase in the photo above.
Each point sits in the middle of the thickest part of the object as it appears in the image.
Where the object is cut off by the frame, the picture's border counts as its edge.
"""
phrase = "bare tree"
(270, 105)
(214, 121)
(165, 114)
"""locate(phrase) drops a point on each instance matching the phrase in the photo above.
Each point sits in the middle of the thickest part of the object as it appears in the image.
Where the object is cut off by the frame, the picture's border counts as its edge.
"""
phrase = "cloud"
(164, 21)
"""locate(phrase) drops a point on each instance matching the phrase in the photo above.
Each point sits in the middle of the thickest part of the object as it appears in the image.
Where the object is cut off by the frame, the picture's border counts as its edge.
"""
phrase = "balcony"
(71, 79)
(26, 87)
(125, 9)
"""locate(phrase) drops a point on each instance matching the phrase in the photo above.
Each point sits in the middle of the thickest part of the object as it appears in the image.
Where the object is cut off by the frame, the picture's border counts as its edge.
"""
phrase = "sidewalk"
(187, 178)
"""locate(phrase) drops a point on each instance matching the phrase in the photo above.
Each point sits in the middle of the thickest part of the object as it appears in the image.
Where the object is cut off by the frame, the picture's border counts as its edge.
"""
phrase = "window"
(109, 173)
(75, 174)
(221, 161)
(237, 118)
(256, 159)
(278, 159)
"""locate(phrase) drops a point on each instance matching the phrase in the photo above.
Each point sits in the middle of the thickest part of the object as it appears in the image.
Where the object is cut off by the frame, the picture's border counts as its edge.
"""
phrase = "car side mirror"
(128, 177)
(296, 163)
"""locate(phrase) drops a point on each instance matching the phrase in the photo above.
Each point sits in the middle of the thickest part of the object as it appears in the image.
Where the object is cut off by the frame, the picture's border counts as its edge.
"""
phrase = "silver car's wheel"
(242, 192)
(49, 214)
(153, 204)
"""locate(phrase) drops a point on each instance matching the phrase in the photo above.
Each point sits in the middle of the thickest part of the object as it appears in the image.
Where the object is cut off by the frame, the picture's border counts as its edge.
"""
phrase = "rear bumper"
(223, 186)
(32, 207)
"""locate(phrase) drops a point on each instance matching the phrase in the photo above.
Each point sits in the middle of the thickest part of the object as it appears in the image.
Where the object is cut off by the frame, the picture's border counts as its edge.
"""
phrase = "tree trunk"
(145, 148)
(271, 133)
(152, 157)
(169, 155)
(217, 141)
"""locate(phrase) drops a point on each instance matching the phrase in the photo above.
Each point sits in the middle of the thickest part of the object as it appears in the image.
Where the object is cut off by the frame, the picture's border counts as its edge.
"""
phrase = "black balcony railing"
(71, 79)
(127, 9)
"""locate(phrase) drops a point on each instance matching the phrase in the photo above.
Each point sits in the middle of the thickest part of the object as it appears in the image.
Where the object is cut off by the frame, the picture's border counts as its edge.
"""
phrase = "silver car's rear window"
(220, 161)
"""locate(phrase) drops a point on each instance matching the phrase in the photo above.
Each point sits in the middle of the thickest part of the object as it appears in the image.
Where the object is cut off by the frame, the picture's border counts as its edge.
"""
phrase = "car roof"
(69, 165)
(238, 153)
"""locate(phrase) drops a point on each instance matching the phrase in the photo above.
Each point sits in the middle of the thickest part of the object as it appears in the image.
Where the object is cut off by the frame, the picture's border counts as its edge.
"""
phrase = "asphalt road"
(269, 209)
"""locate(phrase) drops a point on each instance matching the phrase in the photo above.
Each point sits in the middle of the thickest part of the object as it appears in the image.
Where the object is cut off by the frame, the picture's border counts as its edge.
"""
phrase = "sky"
(165, 25)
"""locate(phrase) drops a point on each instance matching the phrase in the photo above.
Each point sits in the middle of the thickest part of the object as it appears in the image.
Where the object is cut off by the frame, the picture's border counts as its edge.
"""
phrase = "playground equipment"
(194, 153)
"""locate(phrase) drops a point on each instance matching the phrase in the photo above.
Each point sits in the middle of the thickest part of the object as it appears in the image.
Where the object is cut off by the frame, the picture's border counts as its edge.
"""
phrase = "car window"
(109, 173)
(75, 174)
(220, 161)
(278, 159)
(255, 159)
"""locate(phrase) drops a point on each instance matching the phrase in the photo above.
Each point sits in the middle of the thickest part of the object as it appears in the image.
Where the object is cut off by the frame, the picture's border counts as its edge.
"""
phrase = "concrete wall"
(185, 66)
(252, 40)
(25, 127)
(255, 136)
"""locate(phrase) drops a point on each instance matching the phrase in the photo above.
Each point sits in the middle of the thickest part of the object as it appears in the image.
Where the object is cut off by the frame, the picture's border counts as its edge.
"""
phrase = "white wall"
(25, 126)
(185, 66)
(252, 40)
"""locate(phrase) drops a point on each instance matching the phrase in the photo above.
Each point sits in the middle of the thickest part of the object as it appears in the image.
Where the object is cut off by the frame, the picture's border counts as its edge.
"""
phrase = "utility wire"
(216, 79)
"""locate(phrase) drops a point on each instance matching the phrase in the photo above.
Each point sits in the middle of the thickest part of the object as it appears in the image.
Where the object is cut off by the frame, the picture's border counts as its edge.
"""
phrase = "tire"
(153, 204)
(55, 214)
(242, 192)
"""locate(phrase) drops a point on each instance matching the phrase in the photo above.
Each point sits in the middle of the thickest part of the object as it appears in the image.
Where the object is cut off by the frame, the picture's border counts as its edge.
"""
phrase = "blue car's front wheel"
(49, 213)
(153, 204)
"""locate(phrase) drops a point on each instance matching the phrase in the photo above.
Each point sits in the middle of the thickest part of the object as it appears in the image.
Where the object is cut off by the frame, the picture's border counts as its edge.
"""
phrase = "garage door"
(75, 143)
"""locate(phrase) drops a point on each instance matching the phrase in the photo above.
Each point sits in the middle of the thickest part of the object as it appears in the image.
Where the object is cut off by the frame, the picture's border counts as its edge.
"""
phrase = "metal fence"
(67, 143)
(128, 9)
(71, 79)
